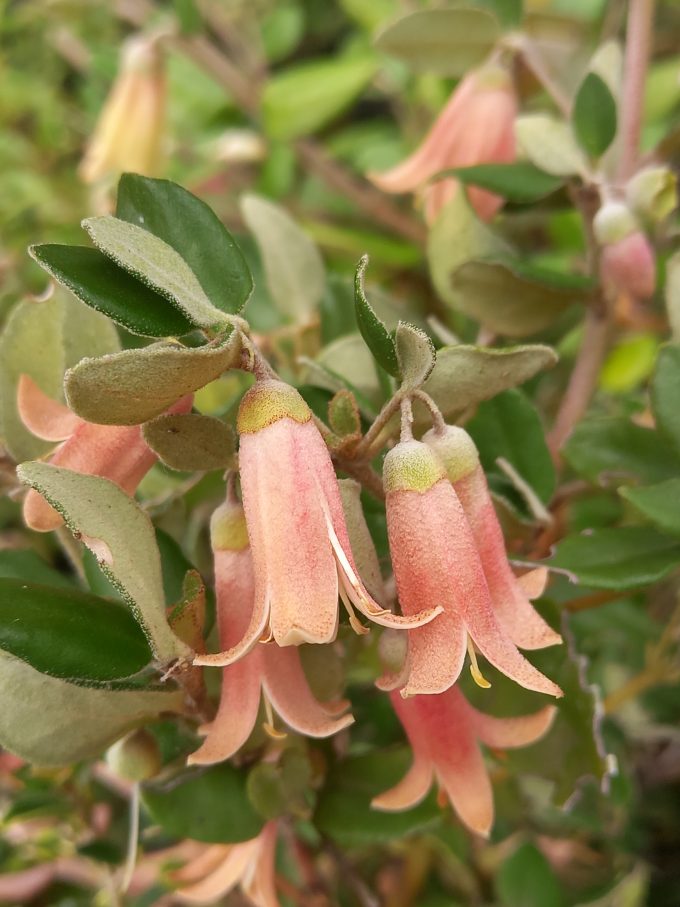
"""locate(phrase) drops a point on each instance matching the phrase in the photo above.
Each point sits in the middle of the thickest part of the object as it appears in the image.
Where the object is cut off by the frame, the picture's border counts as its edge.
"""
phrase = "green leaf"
(305, 97)
(347, 363)
(101, 284)
(26, 564)
(133, 386)
(48, 721)
(550, 145)
(209, 805)
(623, 558)
(373, 330)
(70, 634)
(121, 535)
(191, 442)
(666, 393)
(446, 41)
(416, 354)
(659, 503)
(344, 812)
(594, 116)
(509, 426)
(194, 231)
(521, 182)
(526, 879)
(499, 296)
(614, 450)
(464, 375)
(509, 12)
(294, 269)
(156, 264)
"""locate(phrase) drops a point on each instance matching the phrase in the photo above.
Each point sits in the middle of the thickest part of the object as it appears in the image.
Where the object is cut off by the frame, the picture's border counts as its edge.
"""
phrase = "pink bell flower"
(436, 562)
(475, 127)
(115, 452)
(301, 552)
(445, 732)
(510, 595)
(248, 865)
(267, 669)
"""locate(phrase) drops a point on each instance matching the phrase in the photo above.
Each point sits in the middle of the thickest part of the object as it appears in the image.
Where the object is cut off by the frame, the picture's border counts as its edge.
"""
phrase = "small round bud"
(628, 266)
(456, 449)
(135, 757)
(228, 531)
(411, 466)
(613, 222)
(653, 193)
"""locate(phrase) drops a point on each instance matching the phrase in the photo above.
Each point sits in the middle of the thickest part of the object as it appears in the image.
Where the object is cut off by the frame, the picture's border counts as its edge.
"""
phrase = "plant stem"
(363, 450)
(534, 61)
(638, 41)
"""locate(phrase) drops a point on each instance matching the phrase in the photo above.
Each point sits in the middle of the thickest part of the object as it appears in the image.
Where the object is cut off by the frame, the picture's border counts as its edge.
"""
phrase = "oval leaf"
(521, 182)
(659, 503)
(378, 338)
(191, 442)
(194, 231)
(549, 144)
(594, 116)
(416, 354)
(445, 41)
(100, 283)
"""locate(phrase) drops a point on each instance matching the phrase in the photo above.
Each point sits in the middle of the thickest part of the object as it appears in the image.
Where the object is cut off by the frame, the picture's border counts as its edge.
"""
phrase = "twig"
(638, 40)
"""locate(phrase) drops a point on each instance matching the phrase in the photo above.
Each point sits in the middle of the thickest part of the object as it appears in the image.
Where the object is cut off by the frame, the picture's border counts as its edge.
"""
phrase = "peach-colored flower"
(115, 452)
(510, 595)
(475, 127)
(628, 266)
(250, 865)
(301, 552)
(268, 668)
(436, 562)
(444, 732)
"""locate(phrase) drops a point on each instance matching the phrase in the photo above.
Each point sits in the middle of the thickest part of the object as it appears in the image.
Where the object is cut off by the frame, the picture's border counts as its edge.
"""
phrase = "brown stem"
(638, 40)
(587, 602)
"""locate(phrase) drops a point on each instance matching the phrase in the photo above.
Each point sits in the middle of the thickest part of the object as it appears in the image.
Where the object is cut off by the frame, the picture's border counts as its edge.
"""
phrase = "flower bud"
(628, 266)
(135, 757)
(652, 193)
(613, 222)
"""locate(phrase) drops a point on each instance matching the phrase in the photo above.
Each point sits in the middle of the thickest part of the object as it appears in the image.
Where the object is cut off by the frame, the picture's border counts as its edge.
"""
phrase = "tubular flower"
(301, 552)
(250, 865)
(510, 595)
(129, 131)
(475, 127)
(436, 562)
(444, 732)
(115, 452)
(276, 672)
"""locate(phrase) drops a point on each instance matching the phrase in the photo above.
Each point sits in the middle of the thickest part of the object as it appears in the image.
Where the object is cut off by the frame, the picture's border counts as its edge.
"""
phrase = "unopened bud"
(628, 266)
(613, 222)
(135, 757)
(652, 193)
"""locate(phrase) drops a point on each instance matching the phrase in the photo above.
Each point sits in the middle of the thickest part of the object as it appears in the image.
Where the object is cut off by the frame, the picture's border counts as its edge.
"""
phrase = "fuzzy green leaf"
(659, 503)
(416, 354)
(373, 330)
(191, 442)
(549, 144)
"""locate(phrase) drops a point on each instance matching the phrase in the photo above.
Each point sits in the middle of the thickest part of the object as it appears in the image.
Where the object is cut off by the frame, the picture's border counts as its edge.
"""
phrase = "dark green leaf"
(373, 330)
(594, 115)
(193, 230)
(188, 16)
(659, 503)
(344, 811)
(622, 558)
(70, 634)
(520, 182)
(666, 393)
(101, 284)
(615, 449)
(509, 12)
(26, 564)
(526, 879)
(208, 805)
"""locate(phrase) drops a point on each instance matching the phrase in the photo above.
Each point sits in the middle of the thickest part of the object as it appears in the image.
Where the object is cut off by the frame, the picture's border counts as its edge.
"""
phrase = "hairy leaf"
(191, 442)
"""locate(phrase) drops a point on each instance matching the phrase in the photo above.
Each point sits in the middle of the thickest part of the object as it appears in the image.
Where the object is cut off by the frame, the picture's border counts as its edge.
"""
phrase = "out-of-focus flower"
(276, 672)
(475, 127)
(510, 595)
(652, 193)
(222, 867)
(129, 133)
(301, 552)
(627, 263)
(115, 452)
(444, 732)
(436, 562)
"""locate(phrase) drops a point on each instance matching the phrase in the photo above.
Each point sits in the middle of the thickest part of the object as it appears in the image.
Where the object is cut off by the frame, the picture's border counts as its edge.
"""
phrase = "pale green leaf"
(347, 362)
(48, 721)
(135, 385)
(549, 144)
(156, 264)
(294, 269)
(121, 536)
(191, 441)
(416, 354)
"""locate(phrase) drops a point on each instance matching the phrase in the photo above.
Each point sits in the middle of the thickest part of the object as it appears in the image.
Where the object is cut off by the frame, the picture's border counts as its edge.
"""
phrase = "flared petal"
(44, 417)
(201, 865)
(525, 627)
(292, 553)
(260, 886)
(408, 792)
(508, 733)
(289, 693)
(224, 878)
(533, 582)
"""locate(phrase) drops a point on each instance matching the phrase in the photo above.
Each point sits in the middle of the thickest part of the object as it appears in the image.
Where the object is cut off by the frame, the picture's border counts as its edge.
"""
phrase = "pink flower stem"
(638, 41)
